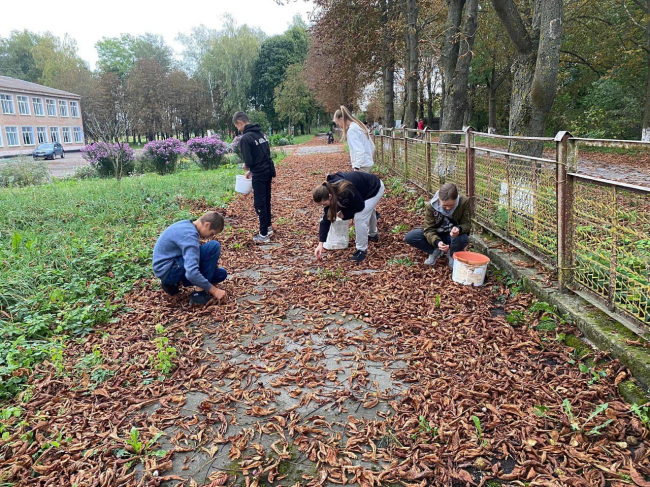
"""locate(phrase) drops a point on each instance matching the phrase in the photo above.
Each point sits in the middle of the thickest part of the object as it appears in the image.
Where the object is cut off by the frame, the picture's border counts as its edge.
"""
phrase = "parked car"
(48, 151)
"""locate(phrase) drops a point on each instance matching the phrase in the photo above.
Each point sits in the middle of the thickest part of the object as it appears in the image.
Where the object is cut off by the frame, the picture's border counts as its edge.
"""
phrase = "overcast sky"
(87, 22)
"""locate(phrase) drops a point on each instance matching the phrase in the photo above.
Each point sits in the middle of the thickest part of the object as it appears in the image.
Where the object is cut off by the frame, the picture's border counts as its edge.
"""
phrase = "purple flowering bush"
(235, 147)
(209, 151)
(110, 159)
(163, 155)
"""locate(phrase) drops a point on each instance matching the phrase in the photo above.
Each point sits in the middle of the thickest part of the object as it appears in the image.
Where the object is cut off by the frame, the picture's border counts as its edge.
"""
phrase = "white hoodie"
(361, 147)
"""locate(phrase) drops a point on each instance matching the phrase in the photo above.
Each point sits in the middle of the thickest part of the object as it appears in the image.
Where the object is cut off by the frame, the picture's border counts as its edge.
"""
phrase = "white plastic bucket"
(470, 268)
(338, 237)
(243, 185)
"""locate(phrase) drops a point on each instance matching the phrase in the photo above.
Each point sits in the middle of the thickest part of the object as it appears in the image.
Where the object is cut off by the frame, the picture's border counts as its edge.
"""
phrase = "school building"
(31, 114)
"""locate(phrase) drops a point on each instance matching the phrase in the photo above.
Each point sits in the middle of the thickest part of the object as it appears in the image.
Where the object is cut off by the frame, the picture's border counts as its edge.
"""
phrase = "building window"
(74, 109)
(1, 142)
(54, 134)
(78, 135)
(51, 108)
(28, 135)
(41, 134)
(23, 105)
(7, 104)
(39, 110)
(63, 108)
(67, 135)
(12, 137)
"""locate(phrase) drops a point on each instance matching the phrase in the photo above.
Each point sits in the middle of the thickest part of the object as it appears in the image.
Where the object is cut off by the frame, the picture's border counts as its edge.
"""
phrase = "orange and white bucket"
(470, 268)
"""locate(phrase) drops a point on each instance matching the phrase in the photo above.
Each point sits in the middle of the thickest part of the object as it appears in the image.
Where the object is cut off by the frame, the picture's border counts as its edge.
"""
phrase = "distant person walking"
(357, 134)
(256, 154)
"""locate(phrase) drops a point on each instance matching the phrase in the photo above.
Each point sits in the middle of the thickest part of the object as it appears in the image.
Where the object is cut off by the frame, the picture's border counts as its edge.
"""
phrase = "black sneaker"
(171, 290)
(373, 238)
(358, 256)
(200, 297)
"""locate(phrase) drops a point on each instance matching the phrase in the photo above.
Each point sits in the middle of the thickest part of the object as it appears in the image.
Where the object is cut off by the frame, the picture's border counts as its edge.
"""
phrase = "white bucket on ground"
(243, 185)
(338, 237)
(470, 268)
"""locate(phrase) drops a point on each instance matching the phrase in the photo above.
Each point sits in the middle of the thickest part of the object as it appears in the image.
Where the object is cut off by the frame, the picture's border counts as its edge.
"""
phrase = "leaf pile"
(320, 373)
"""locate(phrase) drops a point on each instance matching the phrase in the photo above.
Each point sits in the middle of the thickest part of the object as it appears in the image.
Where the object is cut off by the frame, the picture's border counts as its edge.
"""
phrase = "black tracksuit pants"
(262, 201)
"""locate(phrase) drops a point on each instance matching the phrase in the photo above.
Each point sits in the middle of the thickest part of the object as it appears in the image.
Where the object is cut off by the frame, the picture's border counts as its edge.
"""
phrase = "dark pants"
(417, 239)
(262, 202)
(210, 252)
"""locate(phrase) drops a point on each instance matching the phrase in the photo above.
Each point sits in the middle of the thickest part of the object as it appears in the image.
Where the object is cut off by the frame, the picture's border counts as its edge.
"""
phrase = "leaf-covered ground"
(324, 373)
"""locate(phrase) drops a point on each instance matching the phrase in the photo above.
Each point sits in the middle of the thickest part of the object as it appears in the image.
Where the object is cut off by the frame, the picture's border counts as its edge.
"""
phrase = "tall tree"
(344, 53)
(456, 60)
(146, 96)
(411, 65)
(537, 37)
(227, 65)
(277, 53)
(17, 54)
(294, 103)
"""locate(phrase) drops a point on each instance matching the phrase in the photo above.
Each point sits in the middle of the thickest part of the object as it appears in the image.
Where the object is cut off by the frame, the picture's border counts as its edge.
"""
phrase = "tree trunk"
(388, 66)
(457, 57)
(492, 111)
(645, 135)
(430, 92)
(535, 69)
(411, 75)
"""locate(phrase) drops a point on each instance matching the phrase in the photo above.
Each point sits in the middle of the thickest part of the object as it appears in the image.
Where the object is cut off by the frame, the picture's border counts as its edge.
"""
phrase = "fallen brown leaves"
(264, 378)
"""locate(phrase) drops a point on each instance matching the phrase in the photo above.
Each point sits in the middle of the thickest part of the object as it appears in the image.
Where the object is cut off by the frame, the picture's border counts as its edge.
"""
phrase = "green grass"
(301, 139)
(70, 250)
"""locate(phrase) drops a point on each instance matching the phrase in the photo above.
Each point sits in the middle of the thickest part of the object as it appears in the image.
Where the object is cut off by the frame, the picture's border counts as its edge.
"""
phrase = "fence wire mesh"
(611, 246)
(516, 198)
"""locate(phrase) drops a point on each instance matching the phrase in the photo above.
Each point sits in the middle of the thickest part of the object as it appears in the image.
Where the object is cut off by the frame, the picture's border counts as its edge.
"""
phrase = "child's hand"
(319, 251)
(455, 232)
(443, 247)
(249, 175)
(340, 215)
(217, 293)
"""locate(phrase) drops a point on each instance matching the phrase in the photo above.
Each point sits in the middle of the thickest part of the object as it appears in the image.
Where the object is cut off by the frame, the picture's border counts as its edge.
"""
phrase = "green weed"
(402, 227)
(479, 430)
(406, 261)
(72, 249)
(643, 413)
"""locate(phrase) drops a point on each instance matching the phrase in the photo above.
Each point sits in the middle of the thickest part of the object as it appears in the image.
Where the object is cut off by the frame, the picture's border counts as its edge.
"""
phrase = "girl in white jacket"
(355, 132)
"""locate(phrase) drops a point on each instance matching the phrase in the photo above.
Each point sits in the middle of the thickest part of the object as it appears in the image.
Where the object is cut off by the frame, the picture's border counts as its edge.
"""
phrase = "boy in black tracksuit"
(256, 154)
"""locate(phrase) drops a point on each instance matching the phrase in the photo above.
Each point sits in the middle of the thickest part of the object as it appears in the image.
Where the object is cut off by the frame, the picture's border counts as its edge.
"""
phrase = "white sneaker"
(433, 257)
(269, 231)
(261, 239)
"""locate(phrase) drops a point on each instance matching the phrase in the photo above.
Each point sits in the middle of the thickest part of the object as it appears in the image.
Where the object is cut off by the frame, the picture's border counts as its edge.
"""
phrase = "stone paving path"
(329, 406)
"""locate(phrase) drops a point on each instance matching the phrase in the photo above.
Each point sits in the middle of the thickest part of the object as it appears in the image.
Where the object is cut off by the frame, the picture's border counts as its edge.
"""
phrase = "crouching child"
(447, 225)
(180, 258)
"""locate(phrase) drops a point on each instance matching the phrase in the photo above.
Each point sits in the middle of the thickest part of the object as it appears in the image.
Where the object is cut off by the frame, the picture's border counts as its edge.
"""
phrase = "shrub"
(85, 172)
(162, 155)
(283, 141)
(110, 160)
(23, 171)
(280, 140)
(208, 150)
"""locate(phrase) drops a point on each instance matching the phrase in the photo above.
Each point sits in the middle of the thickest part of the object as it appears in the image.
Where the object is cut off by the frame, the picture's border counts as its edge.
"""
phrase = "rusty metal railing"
(593, 232)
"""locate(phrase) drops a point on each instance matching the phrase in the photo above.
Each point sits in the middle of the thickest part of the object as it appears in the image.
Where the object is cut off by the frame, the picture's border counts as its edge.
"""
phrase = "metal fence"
(593, 232)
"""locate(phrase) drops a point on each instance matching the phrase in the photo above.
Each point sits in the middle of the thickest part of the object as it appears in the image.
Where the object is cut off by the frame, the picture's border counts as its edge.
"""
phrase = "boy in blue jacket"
(178, 256)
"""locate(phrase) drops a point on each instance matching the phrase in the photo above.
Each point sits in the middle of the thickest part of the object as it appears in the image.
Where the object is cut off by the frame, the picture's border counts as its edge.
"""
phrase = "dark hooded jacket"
(256, 152)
